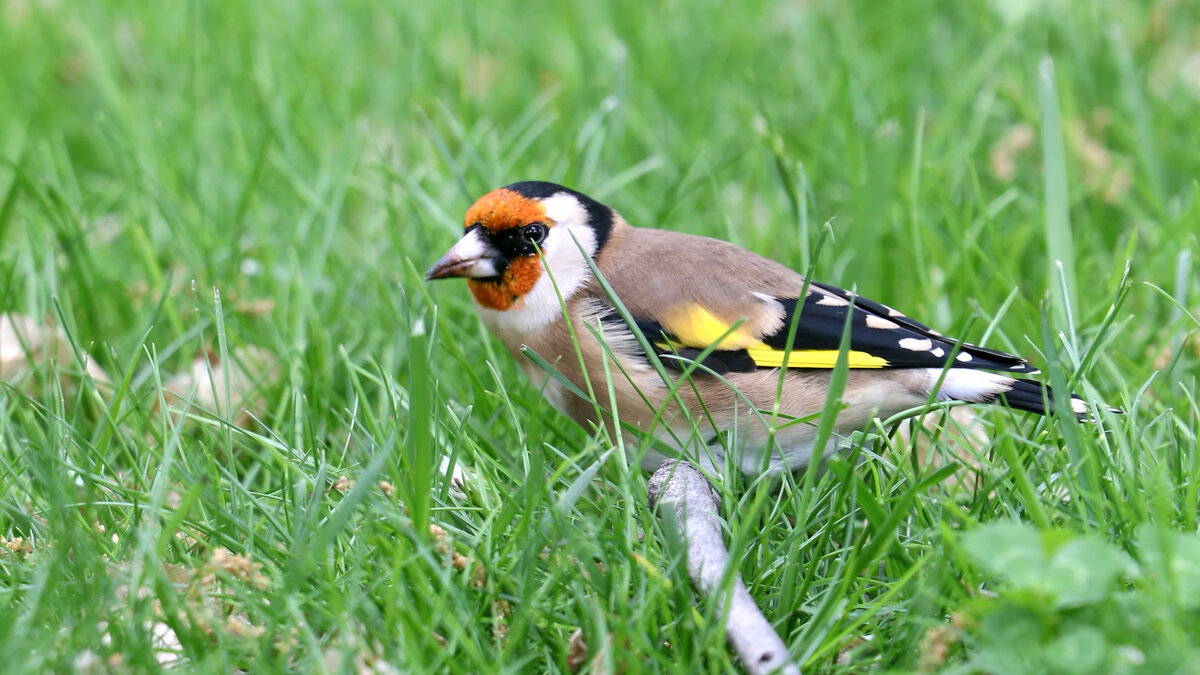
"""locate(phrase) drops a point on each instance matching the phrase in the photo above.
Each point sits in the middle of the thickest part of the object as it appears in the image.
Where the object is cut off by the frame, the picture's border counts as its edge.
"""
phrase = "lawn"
(230, 405)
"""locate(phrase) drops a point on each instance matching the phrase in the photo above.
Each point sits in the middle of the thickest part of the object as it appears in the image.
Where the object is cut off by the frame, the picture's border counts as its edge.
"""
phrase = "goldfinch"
(757, 375)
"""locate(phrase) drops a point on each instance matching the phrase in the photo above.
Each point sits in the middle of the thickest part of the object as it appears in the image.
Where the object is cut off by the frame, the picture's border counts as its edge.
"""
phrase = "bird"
(710, 351)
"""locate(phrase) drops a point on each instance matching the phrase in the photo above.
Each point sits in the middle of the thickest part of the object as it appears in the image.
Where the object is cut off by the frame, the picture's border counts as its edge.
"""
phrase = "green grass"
(269, 178)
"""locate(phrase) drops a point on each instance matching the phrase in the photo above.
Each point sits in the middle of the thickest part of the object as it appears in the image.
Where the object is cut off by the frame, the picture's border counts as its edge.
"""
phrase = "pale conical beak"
(471, 257)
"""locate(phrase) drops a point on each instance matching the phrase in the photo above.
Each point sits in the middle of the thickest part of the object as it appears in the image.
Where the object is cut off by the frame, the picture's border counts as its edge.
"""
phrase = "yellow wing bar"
(695, 327)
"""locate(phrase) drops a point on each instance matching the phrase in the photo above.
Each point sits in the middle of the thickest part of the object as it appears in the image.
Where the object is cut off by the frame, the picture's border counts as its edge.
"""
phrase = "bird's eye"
(534, 232)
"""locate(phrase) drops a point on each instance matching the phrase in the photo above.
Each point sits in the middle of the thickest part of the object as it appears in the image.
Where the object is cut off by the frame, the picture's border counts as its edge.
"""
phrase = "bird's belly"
(749, 447)
(725, 428)
(740, 440)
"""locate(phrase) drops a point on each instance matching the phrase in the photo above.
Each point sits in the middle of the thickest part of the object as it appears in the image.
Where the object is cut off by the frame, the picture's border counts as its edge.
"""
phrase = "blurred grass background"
(260, 184)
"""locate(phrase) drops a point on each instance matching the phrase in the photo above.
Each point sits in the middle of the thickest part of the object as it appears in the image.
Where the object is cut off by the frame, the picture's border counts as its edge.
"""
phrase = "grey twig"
(693, 503)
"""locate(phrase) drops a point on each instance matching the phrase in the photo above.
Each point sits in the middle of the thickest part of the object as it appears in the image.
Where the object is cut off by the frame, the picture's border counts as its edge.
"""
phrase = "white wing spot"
(1079, 406)
(892, 312)
(881, 323)
(963, 356)
(832, 301)
(916, 345)
(938, 352)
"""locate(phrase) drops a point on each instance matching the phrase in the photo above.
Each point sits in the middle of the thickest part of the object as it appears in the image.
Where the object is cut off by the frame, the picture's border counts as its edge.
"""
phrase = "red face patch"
(497, 211)
(518, 279)
(503, 209)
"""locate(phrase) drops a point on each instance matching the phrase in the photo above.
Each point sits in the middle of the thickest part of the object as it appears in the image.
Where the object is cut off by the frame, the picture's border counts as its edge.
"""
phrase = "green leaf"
(1173, 557)
(999, 630)
(1080, 649)
(1060, 243)
(1011, 550)
(1082, 572)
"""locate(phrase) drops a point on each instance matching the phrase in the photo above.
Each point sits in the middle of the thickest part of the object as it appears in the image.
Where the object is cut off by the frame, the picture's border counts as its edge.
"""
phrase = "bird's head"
(517, 232)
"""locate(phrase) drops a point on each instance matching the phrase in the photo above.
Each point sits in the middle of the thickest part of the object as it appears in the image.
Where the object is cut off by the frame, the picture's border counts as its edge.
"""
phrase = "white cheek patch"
(565, 209)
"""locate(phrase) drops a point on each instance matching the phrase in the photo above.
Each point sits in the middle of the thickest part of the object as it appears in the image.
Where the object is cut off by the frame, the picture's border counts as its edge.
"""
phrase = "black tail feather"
(1030, 396)
(1035, 397)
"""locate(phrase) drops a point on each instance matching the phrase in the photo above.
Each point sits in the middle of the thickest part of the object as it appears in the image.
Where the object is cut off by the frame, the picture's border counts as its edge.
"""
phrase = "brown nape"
(518, 279)
(504, 209)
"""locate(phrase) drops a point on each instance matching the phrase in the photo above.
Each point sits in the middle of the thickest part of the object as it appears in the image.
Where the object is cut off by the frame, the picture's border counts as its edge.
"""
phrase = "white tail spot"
(881, 323)
(916, 345)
